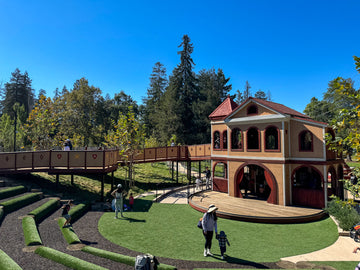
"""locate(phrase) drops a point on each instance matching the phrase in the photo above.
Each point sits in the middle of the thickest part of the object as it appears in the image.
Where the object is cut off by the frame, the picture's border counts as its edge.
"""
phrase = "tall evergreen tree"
(19, 91)
(213, 89)
(158, 84)
(178, 102)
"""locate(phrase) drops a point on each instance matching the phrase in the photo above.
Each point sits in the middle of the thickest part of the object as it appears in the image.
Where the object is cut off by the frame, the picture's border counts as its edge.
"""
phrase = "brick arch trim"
(269, 178)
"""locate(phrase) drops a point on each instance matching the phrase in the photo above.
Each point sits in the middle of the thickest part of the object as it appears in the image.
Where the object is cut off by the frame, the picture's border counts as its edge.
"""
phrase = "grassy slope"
(170, 231)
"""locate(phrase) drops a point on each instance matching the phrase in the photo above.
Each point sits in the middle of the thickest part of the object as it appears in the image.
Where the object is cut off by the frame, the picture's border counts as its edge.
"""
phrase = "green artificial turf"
(30, 230)
(339, 265)
(170, 231)
(7, 263)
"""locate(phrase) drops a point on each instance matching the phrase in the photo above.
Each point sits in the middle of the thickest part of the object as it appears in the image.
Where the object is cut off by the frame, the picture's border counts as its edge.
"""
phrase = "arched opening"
(216, 140)
(331, 182)
(305, 141)
(272, 138)
(253, 139)
(255, 182)
(307, 187)
(220, 181)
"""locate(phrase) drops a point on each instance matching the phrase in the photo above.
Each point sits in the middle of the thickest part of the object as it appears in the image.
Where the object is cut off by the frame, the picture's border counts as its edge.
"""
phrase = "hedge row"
(66, 259)
(31, 233)
(7, 263)
(120, 258)
(17, 203)
(10, 192)
(45, 209)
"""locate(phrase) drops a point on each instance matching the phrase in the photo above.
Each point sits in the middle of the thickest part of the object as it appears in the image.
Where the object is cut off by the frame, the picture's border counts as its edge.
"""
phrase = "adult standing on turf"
(118, 195)
(209, 224)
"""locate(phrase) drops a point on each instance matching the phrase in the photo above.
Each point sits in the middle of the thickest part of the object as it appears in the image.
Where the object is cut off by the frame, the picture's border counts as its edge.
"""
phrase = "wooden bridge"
(94, 161)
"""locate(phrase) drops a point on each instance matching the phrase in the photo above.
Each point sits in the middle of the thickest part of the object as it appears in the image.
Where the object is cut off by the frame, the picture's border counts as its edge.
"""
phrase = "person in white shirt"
(209, 223)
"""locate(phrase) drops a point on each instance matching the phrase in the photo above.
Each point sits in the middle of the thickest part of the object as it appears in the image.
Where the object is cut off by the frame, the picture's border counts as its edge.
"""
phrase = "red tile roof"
(224, 109)
(228, 106)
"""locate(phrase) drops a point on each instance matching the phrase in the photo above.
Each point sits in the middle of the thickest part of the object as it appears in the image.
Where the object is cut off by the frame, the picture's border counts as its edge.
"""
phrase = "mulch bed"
(13, 244)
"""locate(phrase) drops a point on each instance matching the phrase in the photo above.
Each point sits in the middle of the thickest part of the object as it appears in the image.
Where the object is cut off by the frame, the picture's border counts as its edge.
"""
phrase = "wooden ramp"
(253, 210)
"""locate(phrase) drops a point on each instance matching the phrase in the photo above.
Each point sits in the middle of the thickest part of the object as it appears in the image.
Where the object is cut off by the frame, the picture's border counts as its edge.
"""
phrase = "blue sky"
(290, 48)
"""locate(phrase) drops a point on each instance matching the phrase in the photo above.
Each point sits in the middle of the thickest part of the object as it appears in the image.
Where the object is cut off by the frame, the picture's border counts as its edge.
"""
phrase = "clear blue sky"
(290, 48)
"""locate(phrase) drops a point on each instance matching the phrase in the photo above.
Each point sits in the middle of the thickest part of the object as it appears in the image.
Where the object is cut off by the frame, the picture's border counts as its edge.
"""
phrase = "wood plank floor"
(253, 210)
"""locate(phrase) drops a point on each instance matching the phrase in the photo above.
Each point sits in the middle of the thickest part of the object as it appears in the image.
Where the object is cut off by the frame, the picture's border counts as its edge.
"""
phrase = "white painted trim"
(283, 138)
(325, 185)
(271, 118)
(309, 122)
(228, 174)
(324, 144)
(267, 158)
(284, 187)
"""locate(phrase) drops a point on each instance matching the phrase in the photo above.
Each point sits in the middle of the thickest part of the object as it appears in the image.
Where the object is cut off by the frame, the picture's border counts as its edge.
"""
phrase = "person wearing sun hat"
(209, 223)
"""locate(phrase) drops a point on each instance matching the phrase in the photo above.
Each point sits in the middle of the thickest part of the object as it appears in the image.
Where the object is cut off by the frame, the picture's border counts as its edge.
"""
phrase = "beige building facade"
(265, 150)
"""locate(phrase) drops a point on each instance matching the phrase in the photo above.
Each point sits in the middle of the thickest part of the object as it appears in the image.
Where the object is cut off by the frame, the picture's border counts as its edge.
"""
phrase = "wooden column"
(57, 181)
(177, 171)
(72, 179)
(102, 187)
(189, 171)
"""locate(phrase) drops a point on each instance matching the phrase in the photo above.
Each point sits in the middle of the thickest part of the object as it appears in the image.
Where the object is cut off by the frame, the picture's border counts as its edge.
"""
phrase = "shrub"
(17, 203)
(66, 259)
(7, 263)
(9, 192)
(31, 233)
(45, 209)
(345, 214)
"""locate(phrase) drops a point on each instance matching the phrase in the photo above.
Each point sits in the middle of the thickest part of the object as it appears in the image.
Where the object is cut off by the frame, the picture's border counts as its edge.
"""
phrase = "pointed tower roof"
(223, 110)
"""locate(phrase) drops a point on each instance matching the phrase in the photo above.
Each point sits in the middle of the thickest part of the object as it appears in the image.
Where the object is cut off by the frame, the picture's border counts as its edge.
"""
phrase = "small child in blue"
(222, 243)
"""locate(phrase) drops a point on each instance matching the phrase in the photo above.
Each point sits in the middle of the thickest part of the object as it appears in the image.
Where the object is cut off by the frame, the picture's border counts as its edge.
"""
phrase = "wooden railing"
(57, 161)
(172, 153)
(94, 161)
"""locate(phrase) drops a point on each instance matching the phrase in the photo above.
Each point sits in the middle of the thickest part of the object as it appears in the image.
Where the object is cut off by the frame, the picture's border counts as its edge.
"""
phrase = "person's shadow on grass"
(234, 260)
(132, 219)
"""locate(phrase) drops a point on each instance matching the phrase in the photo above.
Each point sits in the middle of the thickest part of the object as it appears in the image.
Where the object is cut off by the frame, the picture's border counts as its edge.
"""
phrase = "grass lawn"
(170, 231)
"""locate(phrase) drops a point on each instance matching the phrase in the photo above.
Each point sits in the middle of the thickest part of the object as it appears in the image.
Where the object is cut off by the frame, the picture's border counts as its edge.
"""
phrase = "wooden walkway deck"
(253, 210)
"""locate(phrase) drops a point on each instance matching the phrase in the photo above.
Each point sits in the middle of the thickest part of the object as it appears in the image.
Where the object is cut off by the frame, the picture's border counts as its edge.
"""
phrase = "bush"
(17, 203)
(9, 192)
(45, 209)
(345, 214)
(31, 233)
(7, 263)
(66, 259)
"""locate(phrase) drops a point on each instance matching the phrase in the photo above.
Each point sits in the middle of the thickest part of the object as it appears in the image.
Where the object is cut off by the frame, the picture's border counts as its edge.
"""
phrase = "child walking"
(222, 243)
(131, 202)
(65, 214)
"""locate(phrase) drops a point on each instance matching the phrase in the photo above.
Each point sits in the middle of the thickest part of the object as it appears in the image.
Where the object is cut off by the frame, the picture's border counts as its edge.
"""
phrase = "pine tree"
(19, 91)
(179, 98)
(158, 83)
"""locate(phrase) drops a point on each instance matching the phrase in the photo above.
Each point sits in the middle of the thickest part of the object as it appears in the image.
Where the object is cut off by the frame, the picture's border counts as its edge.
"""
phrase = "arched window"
(224, 139)
(252, 110)
(220, 170)
(216, 140)
(306, 141)
(272, 138)
(236, 139)
(253, 139)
